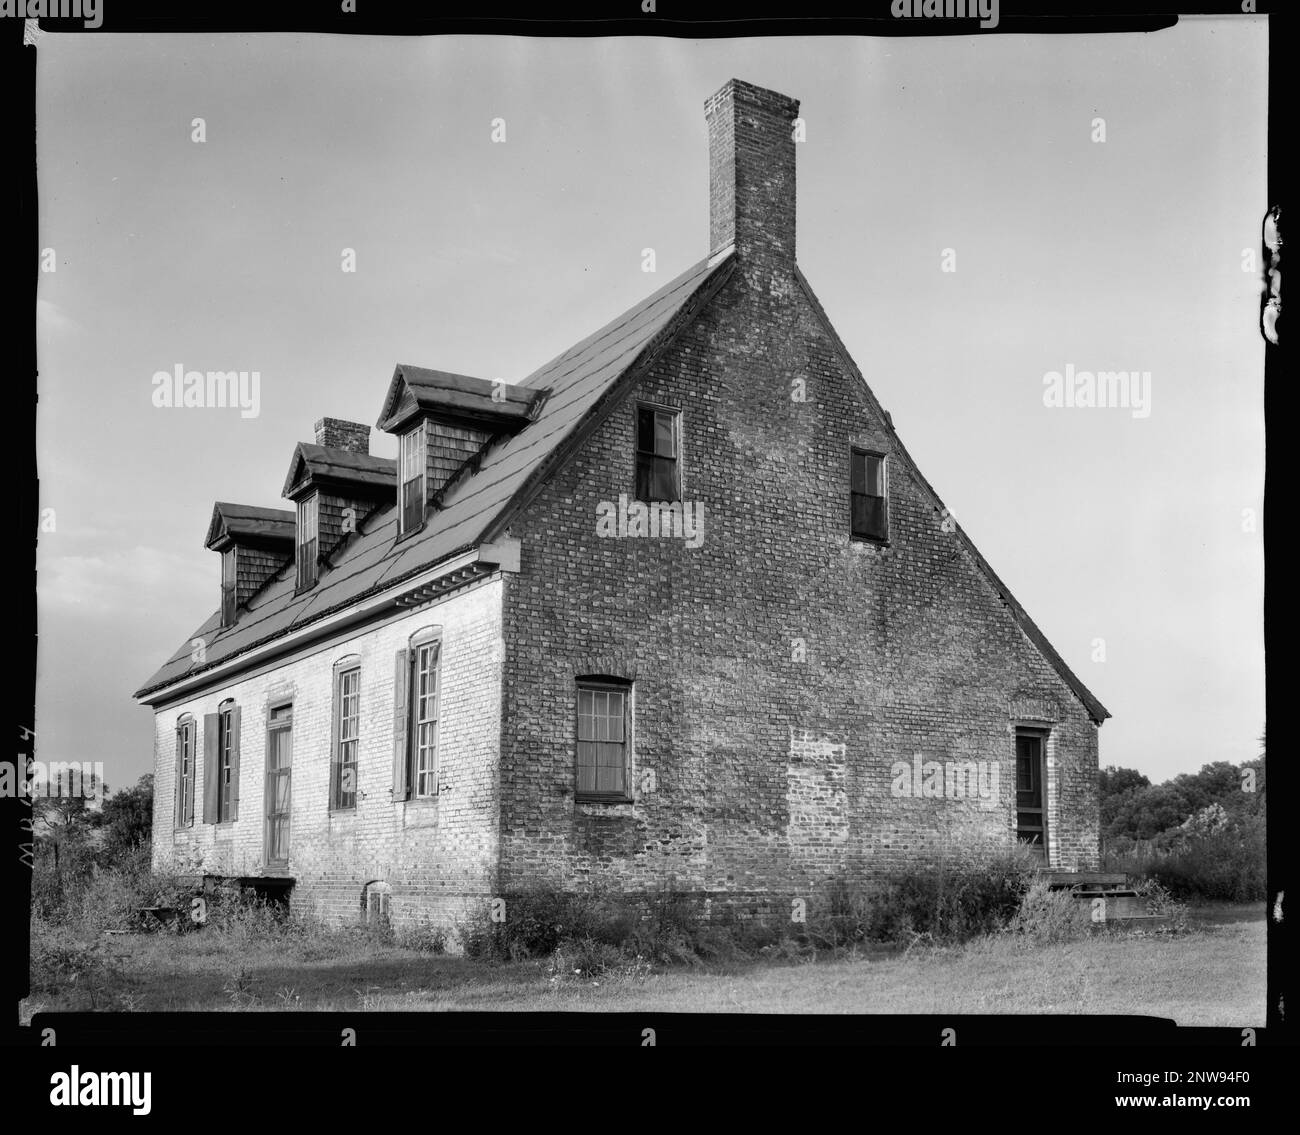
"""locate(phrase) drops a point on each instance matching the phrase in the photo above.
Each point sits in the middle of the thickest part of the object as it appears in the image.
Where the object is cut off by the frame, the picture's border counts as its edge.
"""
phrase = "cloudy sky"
(489, 259)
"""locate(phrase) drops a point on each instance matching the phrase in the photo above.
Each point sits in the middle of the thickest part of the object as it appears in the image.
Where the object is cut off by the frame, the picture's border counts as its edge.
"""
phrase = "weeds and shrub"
(1047, 916)
(978, 896)
(1160, 902)
(1214, 856)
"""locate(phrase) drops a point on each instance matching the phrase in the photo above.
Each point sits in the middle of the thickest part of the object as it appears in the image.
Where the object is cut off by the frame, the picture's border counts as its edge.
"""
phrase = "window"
(413, 459)
(185, 772)
(416, 693)
(229, 576)
(347, 731)
(308, 533)
(870, 516)
(221, 764)
(658, 477)
(604, 729)
(425, 704)
(279, 758)
(375, 903)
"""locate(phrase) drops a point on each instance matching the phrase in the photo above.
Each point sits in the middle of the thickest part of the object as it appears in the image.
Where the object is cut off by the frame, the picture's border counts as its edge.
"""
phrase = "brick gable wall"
(769, 774)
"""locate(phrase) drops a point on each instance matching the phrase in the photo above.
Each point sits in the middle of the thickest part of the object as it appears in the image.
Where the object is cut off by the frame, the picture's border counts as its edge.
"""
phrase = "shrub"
(980, 896)
(536, 921)
(1162, 903)
(1047, 915)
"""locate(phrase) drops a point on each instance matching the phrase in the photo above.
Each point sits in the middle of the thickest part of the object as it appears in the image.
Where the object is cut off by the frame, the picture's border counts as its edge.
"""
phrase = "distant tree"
(1117, 785)
(63, 823)
(1146, 812)
(128, 818)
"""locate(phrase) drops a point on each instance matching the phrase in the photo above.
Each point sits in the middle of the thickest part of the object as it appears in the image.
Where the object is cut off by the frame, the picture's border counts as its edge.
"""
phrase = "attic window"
(658, 476)
(869, 513)
(412, 474)
(308, 541)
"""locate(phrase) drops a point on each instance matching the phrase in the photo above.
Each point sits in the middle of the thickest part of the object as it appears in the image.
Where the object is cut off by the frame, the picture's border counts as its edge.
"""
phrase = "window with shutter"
(227, 763)
(603, 739)
(424, 724)
(868, 507)
(347, 734)
(184, 772)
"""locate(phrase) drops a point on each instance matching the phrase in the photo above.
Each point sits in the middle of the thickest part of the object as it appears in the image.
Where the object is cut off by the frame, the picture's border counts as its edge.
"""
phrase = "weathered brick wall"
(771, 772)
(437, 855)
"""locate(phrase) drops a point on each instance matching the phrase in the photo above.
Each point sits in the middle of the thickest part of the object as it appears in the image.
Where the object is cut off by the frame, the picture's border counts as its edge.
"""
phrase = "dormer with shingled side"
(254, 544)
(443, 423)
(336, 483)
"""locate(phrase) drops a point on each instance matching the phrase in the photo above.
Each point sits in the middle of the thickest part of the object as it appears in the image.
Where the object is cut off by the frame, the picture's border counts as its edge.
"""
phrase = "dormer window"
(411, 480)
(308, 540)
(229, 593)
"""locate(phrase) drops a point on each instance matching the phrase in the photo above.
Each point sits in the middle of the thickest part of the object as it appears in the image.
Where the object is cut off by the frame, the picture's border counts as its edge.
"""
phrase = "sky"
(1135, 543)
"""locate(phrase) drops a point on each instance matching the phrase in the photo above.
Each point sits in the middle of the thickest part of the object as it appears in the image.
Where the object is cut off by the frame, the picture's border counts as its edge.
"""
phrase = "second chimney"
(335, 433)
(751, 171)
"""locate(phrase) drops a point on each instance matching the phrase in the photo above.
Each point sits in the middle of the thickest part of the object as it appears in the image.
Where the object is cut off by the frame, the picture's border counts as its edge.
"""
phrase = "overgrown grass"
(1211, 975)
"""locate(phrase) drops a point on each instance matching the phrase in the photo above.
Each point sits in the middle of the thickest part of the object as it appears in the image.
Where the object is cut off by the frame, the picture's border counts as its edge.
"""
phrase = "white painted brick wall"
(438, 855)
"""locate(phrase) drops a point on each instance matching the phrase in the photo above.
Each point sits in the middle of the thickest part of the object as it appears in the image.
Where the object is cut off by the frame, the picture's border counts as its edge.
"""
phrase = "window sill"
(870, 541)
(401, 536)
(603, 800)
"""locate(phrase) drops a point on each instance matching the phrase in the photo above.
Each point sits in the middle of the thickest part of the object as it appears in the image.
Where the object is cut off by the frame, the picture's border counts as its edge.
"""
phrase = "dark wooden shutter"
(179, 794)
(401, 715)
(336, 711)
(211, 766)
(234, 762)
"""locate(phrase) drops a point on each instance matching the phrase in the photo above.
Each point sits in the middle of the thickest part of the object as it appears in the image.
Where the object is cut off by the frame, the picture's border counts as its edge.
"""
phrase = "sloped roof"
(238, 522)
(580, 383)
(458, 396)
(322, 462)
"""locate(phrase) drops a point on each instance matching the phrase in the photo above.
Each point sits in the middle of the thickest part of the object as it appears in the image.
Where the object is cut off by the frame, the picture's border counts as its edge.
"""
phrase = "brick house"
(677, 607)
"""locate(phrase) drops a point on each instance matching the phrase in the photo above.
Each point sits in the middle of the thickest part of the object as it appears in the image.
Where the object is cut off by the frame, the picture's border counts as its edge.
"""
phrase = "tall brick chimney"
(335, 433)
(751, 171)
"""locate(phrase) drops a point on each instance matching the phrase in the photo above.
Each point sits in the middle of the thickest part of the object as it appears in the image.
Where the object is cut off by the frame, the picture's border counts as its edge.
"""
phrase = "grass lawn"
(1211, 975)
